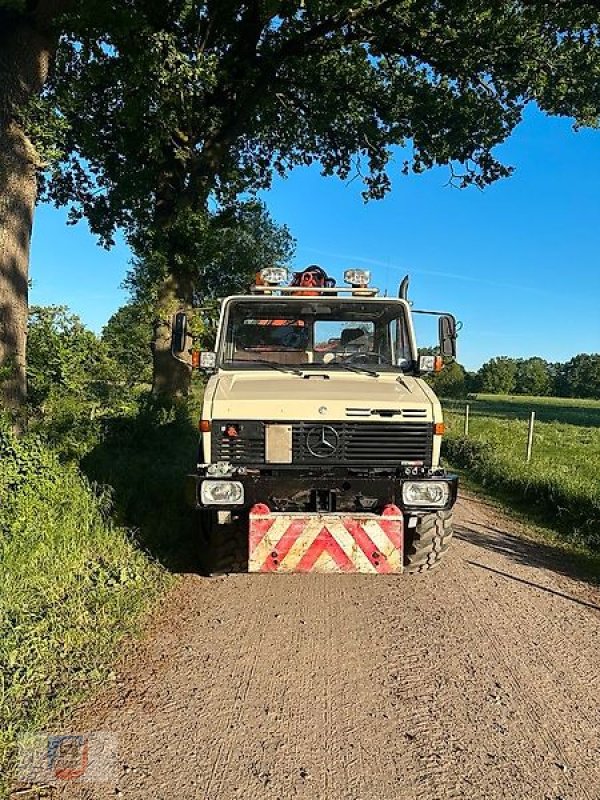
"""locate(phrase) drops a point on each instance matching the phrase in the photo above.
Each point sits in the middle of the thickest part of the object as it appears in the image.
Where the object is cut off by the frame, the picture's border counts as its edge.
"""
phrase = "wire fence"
(459, 407)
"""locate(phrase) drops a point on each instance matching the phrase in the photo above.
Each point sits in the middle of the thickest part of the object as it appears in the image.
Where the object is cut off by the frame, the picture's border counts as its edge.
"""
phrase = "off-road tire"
(427, 543)
(222, 549)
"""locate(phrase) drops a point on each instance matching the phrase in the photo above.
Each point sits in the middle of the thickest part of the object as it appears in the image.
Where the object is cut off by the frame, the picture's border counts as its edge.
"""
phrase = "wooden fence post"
(467, 409)
(530, 435)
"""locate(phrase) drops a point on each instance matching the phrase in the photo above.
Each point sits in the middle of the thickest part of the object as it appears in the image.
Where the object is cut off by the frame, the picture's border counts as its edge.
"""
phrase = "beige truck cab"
(320, 440)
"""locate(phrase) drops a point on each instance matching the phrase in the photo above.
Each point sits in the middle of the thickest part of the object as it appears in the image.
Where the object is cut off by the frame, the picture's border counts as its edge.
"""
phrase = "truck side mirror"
(179, 333)
(447, 333)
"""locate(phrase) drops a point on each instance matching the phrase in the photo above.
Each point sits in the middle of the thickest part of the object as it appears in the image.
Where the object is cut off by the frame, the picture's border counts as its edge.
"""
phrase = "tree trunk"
(171, 375)
(17, 200)
(25, 53)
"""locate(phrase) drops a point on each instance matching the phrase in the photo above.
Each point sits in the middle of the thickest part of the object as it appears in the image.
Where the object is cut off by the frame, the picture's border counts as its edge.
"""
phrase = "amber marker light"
(195, 359)
(439, 428)
(204, 426)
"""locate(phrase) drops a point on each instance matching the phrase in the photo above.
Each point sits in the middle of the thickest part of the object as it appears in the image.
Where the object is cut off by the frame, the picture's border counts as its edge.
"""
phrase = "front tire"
(428, 542)
(222, 549)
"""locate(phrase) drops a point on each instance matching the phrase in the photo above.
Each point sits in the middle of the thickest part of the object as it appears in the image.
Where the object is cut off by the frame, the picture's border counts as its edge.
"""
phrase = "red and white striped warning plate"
(299, 542)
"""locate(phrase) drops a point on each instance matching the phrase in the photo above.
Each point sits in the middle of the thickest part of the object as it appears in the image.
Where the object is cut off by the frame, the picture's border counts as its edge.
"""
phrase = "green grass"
(82, 555)
(529, 400)
(562, 481)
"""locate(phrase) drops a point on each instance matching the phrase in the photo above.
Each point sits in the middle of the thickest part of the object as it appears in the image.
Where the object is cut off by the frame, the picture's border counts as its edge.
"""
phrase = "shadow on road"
(579, 566)
(533, 585)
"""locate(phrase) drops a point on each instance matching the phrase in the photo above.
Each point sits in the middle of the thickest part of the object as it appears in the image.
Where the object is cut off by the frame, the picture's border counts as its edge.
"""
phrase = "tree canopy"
(170, 103)
(580, 377)
(127, 336)
(533, 376)
(498, 375)
(223, 251)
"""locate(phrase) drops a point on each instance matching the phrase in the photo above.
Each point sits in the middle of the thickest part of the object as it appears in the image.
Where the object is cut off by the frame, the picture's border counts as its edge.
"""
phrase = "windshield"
(303, 334)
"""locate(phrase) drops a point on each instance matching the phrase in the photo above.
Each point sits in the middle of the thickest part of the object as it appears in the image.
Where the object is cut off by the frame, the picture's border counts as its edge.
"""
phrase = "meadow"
(570, 410)
(562, 480)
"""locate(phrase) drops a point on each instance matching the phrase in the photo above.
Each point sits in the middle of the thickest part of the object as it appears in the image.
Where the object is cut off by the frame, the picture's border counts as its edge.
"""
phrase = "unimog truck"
(320, 439)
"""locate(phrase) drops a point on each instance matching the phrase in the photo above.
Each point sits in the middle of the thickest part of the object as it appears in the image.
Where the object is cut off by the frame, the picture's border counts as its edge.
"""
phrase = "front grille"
(378, 444)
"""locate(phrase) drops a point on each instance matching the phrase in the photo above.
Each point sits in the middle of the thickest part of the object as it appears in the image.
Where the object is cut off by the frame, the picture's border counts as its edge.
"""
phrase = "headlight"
(221, 493)
(425, 493)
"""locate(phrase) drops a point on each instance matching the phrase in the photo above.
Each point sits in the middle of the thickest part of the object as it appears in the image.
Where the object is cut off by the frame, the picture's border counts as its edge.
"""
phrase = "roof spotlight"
(274, 276)
(357, 277)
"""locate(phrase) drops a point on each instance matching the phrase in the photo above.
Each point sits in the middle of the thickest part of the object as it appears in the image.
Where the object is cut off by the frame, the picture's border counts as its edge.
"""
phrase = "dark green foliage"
(498, 375)
(221, 252)
(241, 239)
(580, 377)
(65, 356)
(74, 381)
(533, 377)
(145, 458)
(127, 336)
(450, 382)
(213, 100)
(170, 113)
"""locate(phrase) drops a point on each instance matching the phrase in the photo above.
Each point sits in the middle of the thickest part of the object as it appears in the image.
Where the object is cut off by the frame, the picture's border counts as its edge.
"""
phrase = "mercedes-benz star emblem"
(322, 441)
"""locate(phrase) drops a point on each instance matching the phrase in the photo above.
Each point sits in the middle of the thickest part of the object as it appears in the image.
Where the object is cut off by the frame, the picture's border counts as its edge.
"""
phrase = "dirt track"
(480, 680)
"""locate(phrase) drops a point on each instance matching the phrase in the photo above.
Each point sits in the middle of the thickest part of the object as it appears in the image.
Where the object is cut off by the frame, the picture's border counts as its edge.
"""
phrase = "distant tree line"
(578, 377)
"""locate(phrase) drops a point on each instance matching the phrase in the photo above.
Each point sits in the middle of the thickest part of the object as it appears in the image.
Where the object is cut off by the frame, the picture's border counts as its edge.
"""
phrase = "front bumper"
(337, 491)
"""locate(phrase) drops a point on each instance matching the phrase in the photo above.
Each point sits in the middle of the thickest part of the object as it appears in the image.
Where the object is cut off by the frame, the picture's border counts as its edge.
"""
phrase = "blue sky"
(518, 263)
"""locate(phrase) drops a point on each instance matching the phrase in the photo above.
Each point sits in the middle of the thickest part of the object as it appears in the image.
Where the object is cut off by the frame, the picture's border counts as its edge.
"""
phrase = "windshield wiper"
(359, 370)
(275, 365)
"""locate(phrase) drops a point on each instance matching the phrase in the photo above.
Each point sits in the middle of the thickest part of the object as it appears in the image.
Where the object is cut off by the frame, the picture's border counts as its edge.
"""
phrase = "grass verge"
(72, 584)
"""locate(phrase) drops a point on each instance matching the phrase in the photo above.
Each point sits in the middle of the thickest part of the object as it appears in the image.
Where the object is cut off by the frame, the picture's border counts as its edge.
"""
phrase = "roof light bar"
(369, 291)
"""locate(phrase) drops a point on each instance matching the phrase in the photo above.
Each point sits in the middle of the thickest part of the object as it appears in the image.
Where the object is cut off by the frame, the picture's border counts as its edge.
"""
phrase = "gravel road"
(479, 680)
